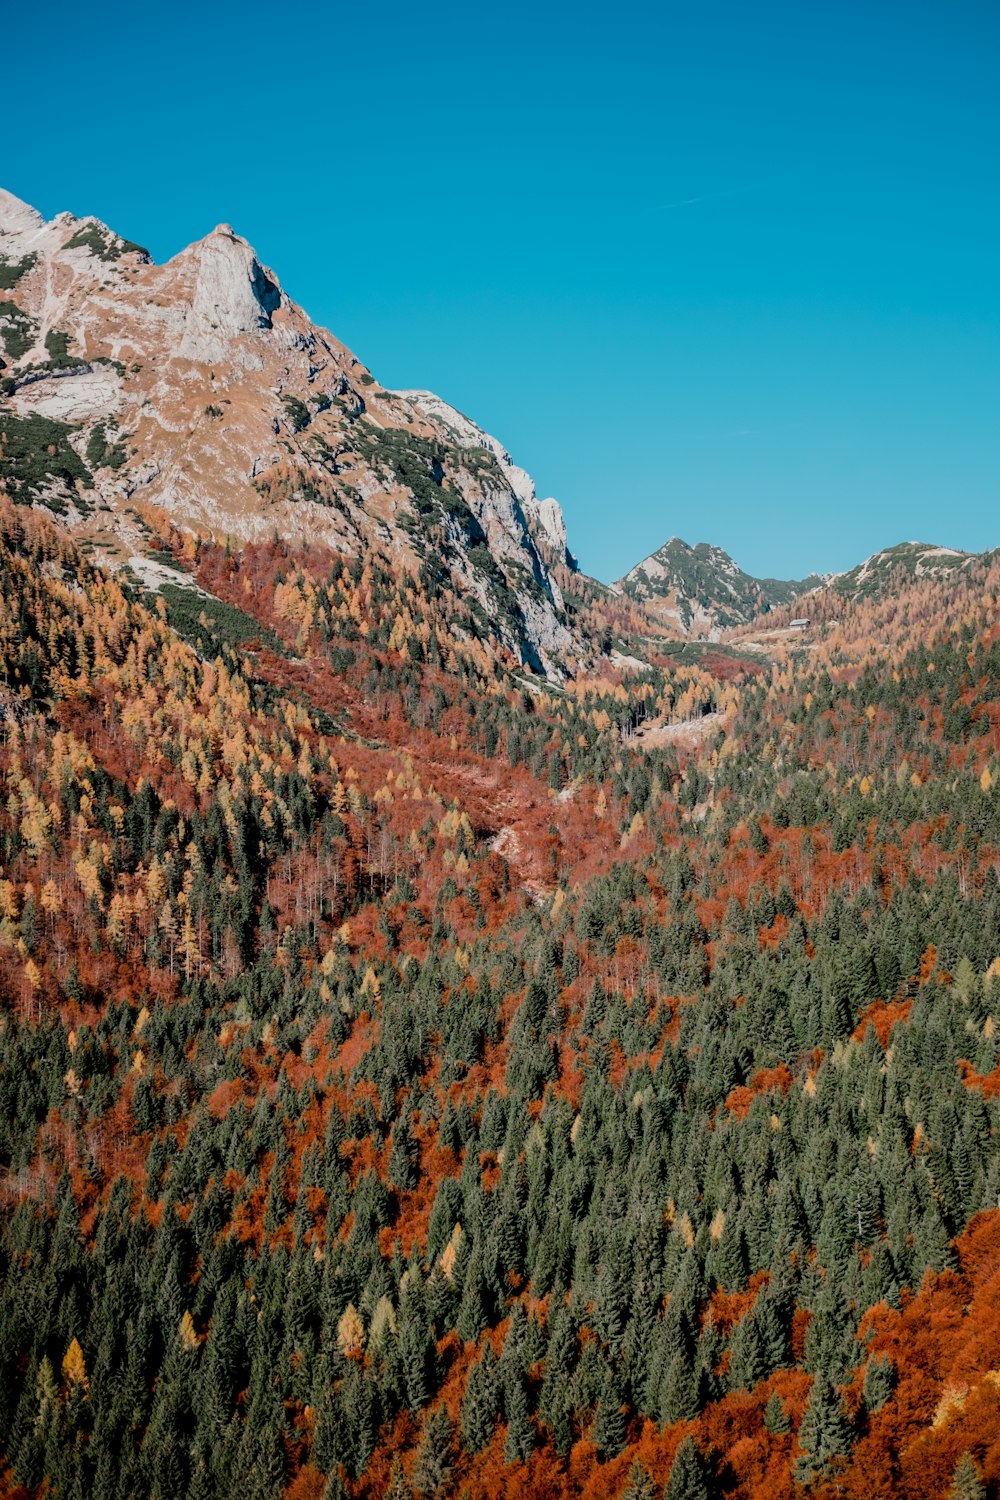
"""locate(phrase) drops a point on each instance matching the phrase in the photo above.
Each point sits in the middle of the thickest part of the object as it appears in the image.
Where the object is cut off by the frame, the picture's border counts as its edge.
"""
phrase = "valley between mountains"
(466, 1028)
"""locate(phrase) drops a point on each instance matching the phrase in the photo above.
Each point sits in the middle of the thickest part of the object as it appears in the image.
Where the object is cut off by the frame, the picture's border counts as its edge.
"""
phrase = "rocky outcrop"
(233, 296)
(81, 394)
(544, 517)
(468, 435)
(552, 523)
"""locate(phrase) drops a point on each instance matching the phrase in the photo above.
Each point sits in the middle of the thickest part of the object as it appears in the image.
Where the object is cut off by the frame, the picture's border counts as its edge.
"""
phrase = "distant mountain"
(882, 571)
(703, 590)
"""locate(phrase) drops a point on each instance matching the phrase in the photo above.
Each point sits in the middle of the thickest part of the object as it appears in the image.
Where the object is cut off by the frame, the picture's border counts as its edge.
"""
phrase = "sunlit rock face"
(239, 417)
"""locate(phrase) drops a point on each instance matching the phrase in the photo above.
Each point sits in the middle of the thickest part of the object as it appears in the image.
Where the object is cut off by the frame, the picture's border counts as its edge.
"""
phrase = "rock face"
(233, 296)
(199, 386)
(701, 591)
(74, 396)
(544, 517)
(553, 524)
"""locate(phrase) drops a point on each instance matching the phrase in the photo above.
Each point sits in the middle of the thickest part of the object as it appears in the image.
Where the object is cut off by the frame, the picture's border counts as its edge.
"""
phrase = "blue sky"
(724, 271)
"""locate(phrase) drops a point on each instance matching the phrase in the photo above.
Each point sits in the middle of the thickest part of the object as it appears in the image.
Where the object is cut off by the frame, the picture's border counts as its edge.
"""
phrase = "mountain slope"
(200, 388)
(886, 570)
(545, 517)
(408, 1077)
(702, 590)
(889, 596)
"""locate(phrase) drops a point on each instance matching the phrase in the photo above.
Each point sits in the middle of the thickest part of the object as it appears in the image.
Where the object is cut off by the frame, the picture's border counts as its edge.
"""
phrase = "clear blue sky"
(723, 270)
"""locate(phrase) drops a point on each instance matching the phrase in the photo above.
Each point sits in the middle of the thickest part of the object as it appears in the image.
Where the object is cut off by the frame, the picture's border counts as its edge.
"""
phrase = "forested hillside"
(420, 1079)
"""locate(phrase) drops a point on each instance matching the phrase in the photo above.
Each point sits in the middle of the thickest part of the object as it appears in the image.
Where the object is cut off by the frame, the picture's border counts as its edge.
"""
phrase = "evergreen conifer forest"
(419, 1079)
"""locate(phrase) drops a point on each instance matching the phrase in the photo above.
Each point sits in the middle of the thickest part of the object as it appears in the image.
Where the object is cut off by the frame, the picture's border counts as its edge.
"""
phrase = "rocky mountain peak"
(199, 387)
(17, 217)
(233, 294)
(700, 590)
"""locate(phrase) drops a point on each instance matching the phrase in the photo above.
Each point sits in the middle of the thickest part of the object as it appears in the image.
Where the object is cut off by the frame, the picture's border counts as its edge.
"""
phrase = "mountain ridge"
(233, 413)
(200, 390)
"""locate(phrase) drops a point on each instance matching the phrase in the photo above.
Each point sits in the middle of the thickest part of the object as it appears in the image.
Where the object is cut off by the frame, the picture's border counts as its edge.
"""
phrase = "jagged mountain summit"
(199, 387)
(700, 590)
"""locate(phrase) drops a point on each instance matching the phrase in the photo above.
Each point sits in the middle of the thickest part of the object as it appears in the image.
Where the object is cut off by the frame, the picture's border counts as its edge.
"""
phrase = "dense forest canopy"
(422, 1079)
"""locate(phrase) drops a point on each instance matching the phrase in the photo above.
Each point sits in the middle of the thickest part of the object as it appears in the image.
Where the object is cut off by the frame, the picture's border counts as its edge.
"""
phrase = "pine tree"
(404, 1156)
(771, 1315)
(360, 1418)
(610, 1428)
(416, 1349)
(640, 1484)
(824, 1435)
(554, 1397)
(267, 1471)
(435, 1459)
(860, 977)
(732, 1256)
(967, 1480)
(880, 1381)
(480, 1403)
(747, 1363)
(689, 1474)
(472, 1317)
(776, 1418)
(399, 1488)
(520, 1435)
(679, 1391)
